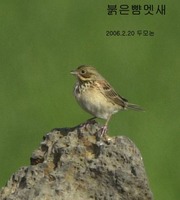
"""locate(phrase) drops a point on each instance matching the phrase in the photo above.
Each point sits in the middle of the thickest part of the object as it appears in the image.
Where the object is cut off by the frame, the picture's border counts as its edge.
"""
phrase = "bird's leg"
(105, 127)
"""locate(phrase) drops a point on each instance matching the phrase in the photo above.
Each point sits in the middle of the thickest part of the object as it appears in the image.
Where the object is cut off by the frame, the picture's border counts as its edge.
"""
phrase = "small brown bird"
(96, 96)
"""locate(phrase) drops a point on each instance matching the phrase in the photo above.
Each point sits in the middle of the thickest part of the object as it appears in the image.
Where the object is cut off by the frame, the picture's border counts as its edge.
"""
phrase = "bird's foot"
(89, 121)
(103, 130)
(101, 134)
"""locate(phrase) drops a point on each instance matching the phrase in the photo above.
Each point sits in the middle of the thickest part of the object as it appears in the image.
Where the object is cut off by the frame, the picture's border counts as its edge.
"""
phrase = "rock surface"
(77, 164)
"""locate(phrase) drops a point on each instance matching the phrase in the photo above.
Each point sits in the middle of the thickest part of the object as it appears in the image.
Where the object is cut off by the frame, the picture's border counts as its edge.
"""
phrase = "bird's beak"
(73, 72)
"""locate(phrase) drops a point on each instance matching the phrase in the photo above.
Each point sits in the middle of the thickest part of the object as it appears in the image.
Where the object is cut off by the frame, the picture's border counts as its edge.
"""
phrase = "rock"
(76, 163)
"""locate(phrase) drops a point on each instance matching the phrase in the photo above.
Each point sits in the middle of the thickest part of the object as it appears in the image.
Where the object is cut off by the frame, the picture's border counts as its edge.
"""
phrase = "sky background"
(42, 41)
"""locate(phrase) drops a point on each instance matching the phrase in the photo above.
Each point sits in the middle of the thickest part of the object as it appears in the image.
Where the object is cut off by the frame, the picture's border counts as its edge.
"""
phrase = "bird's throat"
(82, 86)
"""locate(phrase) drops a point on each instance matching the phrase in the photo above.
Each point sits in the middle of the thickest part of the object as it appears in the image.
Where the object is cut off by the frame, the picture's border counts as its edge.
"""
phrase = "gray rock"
(76, 163)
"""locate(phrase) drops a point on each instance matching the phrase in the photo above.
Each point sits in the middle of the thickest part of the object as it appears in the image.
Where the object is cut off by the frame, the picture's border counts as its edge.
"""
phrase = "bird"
(97, 97)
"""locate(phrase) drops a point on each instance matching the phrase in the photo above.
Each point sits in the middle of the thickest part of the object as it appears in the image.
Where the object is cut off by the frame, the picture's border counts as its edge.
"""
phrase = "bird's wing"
(108, 91)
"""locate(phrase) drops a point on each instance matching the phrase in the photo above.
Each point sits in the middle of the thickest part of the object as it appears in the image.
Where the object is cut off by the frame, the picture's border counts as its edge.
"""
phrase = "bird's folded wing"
(108, 91)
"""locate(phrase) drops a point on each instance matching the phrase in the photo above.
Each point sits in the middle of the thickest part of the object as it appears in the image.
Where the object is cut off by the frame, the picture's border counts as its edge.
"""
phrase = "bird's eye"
(83, 71)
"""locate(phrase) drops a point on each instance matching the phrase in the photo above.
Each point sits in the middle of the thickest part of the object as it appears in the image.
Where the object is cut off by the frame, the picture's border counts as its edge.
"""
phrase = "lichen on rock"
(76, 163)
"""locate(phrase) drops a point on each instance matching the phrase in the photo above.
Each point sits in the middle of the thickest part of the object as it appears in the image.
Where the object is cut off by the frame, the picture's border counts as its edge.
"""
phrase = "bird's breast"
(93, 101)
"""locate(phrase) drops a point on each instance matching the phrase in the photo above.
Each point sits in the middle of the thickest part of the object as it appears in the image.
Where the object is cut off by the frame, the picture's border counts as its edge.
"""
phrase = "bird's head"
(86, 73)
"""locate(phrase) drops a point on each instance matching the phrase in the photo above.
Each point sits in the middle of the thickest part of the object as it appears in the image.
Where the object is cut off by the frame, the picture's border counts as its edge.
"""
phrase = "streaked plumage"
(96, 96)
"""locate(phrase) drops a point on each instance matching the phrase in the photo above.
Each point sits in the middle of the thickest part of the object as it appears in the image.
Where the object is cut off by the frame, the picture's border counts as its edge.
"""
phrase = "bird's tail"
(134, 107)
